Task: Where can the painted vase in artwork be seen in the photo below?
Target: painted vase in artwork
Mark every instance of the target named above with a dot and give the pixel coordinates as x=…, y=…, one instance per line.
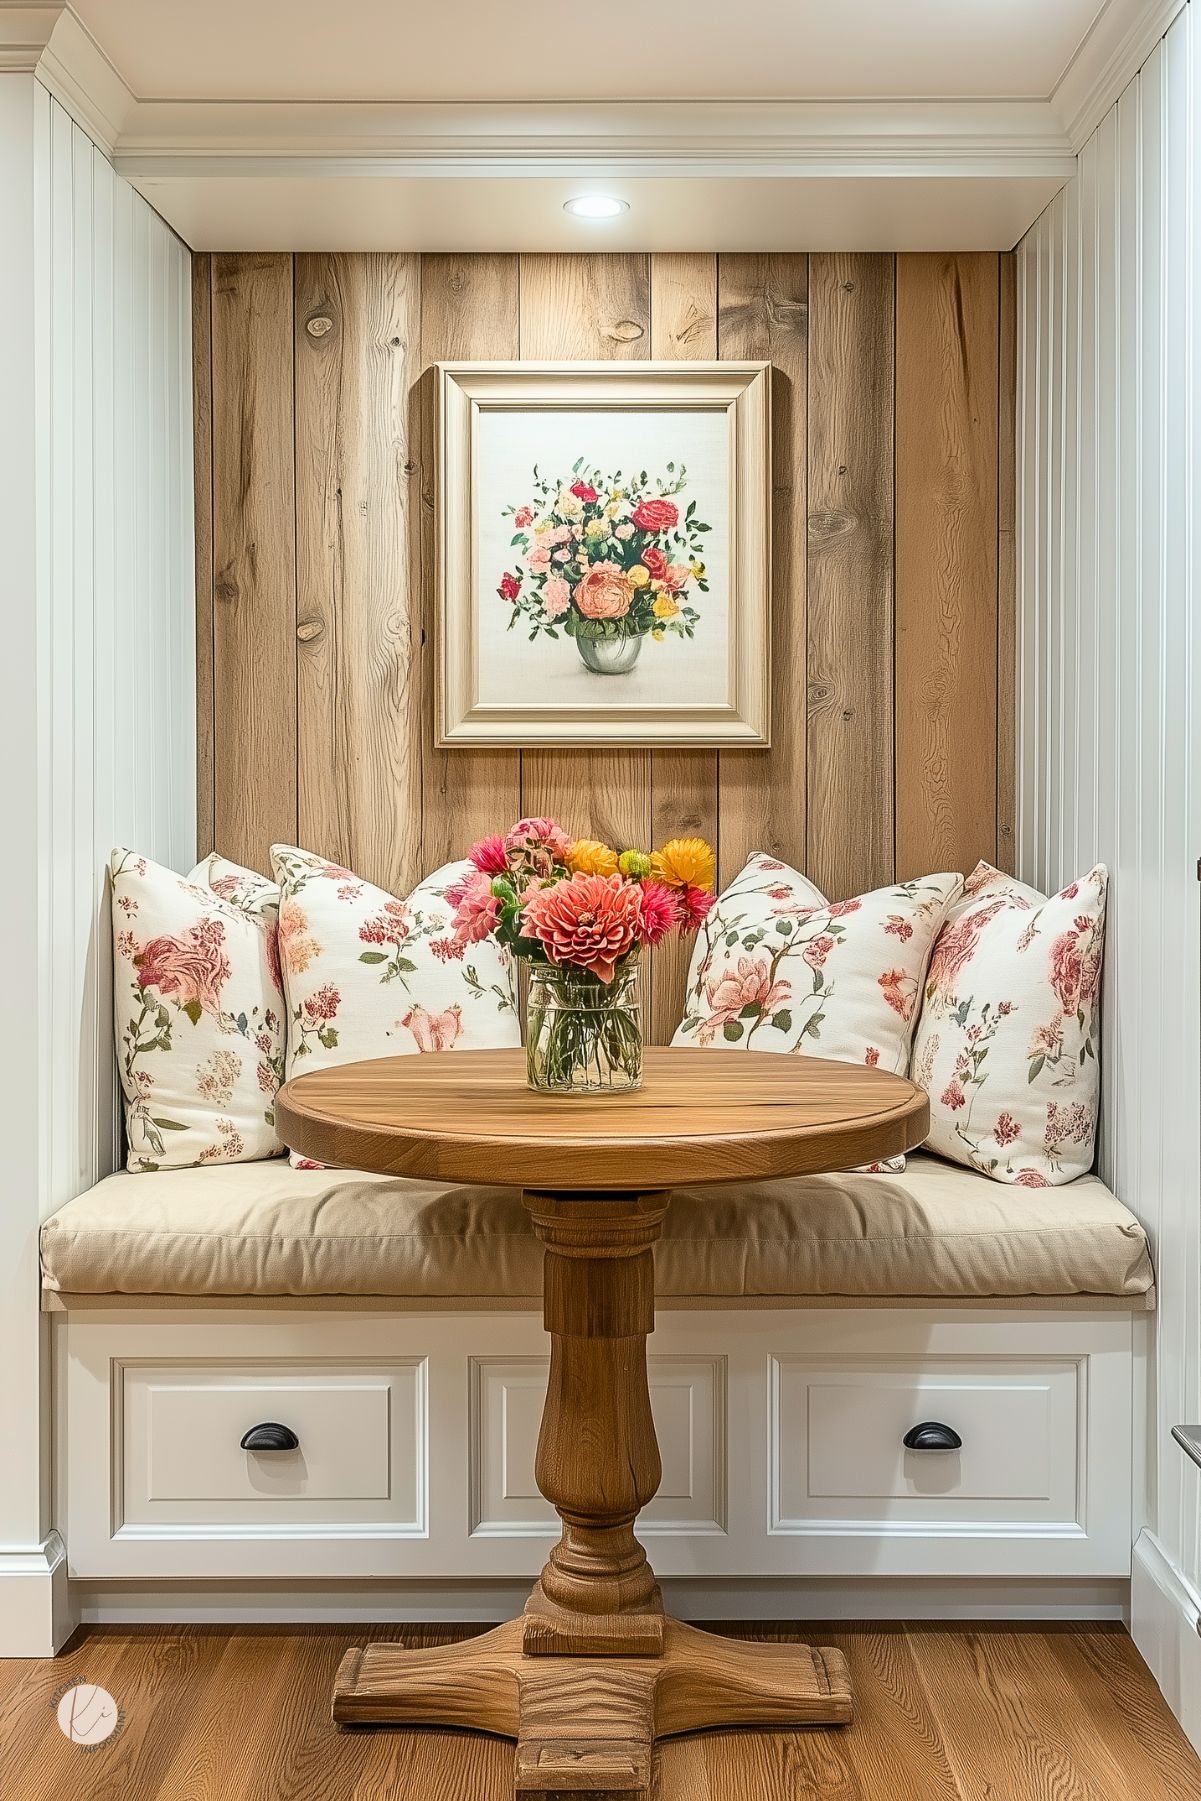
x=608, y=561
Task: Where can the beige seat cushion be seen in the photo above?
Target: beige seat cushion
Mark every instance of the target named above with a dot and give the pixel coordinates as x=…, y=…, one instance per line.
x=264, y=1229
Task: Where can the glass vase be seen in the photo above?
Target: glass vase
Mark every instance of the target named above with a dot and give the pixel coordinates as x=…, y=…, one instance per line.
x=583, y=1036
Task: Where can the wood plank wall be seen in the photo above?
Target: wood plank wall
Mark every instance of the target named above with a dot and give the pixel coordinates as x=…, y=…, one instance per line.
x=893, y=611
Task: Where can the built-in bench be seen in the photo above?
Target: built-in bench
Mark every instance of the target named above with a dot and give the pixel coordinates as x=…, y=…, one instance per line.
x=394, y=1328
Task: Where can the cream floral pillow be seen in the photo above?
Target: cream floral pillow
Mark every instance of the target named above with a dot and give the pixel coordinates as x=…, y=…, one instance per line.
x=243, y=888
x=776, y=967
x=1006, y=1046
x=199, y=1018
x=368, y=975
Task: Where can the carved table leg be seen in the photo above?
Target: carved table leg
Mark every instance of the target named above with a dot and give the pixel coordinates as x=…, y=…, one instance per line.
x=593, y=1673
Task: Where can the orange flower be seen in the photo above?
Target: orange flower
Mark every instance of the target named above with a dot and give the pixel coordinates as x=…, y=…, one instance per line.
x=604, y=593
x=588, y=856
x=685, y=863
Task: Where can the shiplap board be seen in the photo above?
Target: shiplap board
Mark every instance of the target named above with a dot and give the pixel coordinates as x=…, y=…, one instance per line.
x=96, y=466
x=1109, y=445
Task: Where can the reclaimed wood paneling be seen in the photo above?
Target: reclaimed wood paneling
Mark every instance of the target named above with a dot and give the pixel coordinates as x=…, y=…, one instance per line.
x=202, y=476
x=850, y=573
x=468, y=310
x=683, y=782
x=358, y=618
x=763, y=311
x=254, y=557
x=946, y=579
x=324, y=559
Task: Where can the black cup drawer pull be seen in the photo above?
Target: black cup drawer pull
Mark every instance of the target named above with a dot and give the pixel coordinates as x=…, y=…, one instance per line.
x=270, y=1436
x=931, y=1435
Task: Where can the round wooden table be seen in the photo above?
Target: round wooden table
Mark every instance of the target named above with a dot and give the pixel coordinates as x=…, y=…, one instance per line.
x=593, y=1672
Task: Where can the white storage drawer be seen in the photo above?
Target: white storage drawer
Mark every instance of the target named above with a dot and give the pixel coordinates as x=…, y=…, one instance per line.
x=841, y=1425
x=358, y=1457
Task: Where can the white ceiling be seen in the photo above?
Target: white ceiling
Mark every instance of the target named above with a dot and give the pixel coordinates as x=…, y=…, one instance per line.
x=464, y=124
x=661, y=50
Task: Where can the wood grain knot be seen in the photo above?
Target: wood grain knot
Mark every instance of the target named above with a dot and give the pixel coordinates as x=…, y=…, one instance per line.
x=225, y=589
x=625, y=331
x=831, y=524
x=308, y=629
x=319, y=325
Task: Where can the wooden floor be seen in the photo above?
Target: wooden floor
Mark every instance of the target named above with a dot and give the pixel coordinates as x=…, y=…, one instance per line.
x=944, y=1714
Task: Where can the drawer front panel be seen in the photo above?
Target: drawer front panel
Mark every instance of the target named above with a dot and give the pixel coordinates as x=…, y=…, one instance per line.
x=360, y=1456
x=840, y=1427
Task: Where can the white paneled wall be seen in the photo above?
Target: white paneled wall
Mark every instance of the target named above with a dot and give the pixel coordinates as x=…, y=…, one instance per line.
x=1109, y=427
x=97, y=725
x=115, y=573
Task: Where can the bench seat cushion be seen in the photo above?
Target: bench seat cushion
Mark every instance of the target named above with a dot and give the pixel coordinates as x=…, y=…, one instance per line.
x=265, y=1229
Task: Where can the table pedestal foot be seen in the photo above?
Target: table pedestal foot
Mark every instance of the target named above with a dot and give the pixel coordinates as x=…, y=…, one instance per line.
x=587, y=1725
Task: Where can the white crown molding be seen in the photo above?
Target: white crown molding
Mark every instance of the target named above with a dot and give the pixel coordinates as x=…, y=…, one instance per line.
x=80, y=76
x=1110, y=57
x=702, y=138
x=25, y=31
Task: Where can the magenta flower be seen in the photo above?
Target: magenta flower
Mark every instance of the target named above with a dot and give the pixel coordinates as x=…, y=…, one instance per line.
x=660, y=912
x=489, y=855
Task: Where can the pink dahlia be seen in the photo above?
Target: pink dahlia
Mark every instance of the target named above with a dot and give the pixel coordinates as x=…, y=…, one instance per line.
x=694, y=905
x=477, y=909
x=489, y=855
x=536, y=845
x=660, y=912
x=589, y=920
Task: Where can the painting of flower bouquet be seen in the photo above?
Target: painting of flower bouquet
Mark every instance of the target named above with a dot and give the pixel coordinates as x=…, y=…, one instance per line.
x=604, y=553
x=608, y=561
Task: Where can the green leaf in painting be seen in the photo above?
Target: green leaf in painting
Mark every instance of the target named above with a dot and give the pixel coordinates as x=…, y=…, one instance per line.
x=1035, y=1068
x=193, y=1009
x=372, y=957
x=732, y=1031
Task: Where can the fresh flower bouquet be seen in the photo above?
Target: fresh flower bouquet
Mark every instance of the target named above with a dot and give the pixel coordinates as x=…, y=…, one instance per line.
x=607, y=560
x=579, y=912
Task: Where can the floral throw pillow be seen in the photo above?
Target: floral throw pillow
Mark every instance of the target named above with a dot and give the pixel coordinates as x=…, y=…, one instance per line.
x=367, y=975
x=1006, y=1046
x=199, y=1019
x=243, y=888
x=776, y=967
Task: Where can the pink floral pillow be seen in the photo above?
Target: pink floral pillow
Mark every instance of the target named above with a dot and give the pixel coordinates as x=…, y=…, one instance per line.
x=776, y=967
x=199, y=1018
x=1006, y=1046
x=367, y=975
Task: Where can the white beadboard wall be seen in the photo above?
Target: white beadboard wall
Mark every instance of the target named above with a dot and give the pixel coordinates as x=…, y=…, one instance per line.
x=117, y=678
x=97, y=721
x=1109, y=741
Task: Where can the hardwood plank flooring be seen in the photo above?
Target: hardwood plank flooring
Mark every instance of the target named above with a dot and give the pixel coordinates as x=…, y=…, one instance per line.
x=945, y=1713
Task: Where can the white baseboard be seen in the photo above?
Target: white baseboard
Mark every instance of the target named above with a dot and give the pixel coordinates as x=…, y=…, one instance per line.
x=232, y=1603
x=36, y=1603
x=1165, y=1624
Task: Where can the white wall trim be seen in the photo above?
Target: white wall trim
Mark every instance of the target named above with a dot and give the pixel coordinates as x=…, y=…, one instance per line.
x=82, y=80
x=1110, y=56
x=37, y=1611
x=1165, y=1624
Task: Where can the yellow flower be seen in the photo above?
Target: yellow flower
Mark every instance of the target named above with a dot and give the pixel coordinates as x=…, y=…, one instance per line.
x=665, y=607
x=639, y=575
x=596, y=528
x=588, y=856
x=685, y=863
x=634, y=863
x=698, y=570
x=658, y=634
x=613, y=508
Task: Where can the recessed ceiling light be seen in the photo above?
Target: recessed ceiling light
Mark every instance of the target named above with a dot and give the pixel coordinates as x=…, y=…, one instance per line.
x=596, y=206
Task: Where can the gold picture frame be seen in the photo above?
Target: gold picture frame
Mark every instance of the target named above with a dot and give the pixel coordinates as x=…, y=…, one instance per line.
x=615, y=609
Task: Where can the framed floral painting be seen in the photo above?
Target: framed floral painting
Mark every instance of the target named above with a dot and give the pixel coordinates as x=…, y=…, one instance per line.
x=604, y=553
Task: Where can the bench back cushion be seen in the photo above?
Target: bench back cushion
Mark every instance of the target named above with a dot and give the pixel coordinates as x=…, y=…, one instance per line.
x=776, y=967
x=368, y=975
x=198, y=1014
x=1006, y=1046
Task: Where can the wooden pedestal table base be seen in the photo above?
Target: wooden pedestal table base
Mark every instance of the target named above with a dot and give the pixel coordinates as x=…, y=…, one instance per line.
x=593, y=1672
